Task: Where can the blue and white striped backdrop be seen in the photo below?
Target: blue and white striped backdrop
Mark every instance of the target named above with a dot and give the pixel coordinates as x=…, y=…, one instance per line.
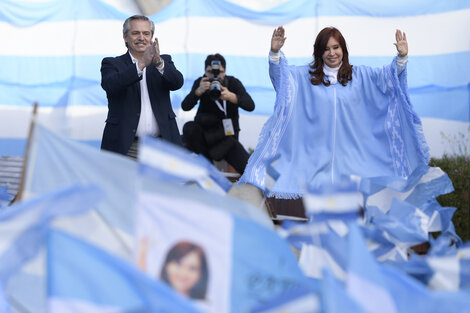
x=51, y=53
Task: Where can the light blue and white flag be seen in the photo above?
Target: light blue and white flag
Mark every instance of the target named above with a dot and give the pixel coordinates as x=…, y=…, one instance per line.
x=321, y=241
x=85, y=278
x=335, y=298
x=441, y=246
x=404, y=223
x=411, y=295
x=239, y=263
x=414, y=202
x=4, y=305
x=65, y=79
x=364, y=282
x=23, y=228
x=424, y=184
x=450, y=272
x=441, y=220
x=382, y=246
x=374, y=287
x=55, y=161
x=167, y=162
x=339, y=201
x=321, y=245
x=303, y=300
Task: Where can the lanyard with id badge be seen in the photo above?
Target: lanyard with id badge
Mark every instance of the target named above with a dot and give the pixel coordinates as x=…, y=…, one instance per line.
x=227, y=122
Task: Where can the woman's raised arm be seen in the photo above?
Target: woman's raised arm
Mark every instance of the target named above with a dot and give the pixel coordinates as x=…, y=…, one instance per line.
x=401, y=44
x=278, y=39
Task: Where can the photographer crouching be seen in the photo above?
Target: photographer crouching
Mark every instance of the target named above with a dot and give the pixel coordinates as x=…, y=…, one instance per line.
x=214, y=131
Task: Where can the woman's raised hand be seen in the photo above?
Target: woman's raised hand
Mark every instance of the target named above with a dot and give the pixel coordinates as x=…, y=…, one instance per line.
x=278, y=39
x=401, y=44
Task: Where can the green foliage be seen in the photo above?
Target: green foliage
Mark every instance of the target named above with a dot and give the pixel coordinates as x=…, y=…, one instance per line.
x=458, y=169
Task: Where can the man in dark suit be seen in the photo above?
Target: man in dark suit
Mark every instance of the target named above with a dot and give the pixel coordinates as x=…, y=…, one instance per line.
x=137, y=86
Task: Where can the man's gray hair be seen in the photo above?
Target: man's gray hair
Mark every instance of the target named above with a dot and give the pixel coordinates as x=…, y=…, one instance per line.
x=127, y=23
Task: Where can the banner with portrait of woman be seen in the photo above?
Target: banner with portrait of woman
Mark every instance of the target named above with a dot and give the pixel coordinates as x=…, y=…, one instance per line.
x=188, y=246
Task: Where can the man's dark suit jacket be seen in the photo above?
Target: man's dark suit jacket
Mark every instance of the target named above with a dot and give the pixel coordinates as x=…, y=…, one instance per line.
x=121, y=82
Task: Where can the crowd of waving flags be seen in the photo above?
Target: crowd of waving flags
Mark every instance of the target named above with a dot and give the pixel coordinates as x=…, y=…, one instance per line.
x=94, y=232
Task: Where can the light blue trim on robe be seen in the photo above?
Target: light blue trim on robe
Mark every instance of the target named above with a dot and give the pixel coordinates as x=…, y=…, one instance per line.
x=367, y=128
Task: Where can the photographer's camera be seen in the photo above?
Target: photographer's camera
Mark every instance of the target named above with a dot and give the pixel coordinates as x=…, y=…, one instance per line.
x=216, y=83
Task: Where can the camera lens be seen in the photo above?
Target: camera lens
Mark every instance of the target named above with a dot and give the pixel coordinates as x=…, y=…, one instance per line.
x=215, y=90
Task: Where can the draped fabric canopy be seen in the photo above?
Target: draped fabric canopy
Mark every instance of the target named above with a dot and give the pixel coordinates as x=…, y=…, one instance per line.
x=51, y=53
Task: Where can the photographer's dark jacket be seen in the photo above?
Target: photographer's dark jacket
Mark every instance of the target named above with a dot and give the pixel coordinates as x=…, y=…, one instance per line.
x=208, y=108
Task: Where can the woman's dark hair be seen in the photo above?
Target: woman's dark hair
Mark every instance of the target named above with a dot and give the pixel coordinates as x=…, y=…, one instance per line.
x=212, y=57
x=179, y=251
x=316, y=72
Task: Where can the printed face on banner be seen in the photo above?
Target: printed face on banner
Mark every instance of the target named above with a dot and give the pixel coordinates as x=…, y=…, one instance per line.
x=185, y=269
x=188, y=246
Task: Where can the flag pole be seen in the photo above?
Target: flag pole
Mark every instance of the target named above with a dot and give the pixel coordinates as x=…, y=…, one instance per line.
x=19, y=195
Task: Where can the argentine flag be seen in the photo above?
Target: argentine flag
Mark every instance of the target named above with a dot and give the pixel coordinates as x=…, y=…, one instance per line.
x=64, y=78
x=23, y=231
x=167, y=162
x=84, y=278
x=237, y=264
